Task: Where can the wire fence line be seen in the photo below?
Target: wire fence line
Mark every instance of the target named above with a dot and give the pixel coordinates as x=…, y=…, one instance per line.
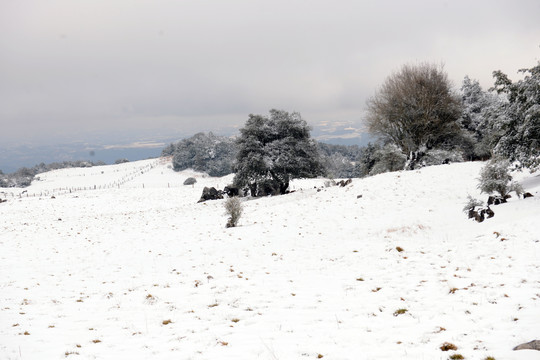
x=126, y=178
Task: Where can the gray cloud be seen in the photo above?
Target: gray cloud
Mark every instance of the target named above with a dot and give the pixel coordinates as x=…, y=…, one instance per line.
x=70, y=69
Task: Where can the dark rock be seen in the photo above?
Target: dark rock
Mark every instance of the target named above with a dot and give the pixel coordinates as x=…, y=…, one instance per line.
x=190, y=181
x=496, y=200
x=532, y=345
x=344, y=183
x=479, y=214
x=210, y=194
x=359, y=196
x=231, y=191
x=527, y=195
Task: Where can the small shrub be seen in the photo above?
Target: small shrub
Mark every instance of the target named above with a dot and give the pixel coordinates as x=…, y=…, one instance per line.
x=456, y=357
x=495, y=177
x=472, y=203
x=190, y=181
x=233, y=208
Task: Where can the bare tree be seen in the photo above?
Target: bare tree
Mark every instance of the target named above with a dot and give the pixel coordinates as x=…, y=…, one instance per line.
x=415, y=109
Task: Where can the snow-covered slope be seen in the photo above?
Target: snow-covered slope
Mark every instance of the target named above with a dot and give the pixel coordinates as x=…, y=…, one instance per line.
x=133, y=267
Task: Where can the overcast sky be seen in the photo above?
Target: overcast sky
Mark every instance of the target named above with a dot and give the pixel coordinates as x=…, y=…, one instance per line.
x=77, y=69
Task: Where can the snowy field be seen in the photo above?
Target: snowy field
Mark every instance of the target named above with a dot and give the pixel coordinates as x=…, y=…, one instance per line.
x=121, y=262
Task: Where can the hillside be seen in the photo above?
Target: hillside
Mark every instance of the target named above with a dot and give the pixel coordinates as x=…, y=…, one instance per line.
x=121, y=261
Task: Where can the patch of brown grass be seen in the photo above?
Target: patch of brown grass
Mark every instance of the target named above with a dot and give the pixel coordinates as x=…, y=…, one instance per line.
x=448, y=346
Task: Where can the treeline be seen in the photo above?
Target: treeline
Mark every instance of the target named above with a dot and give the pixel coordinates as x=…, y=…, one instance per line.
x=417, y=112
x=418, y=119
x=216, y=155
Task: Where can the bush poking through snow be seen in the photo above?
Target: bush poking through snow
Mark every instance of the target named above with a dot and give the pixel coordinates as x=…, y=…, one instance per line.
x=495, y=177
x=471, y=203
x=233, y=208
x=475, y=210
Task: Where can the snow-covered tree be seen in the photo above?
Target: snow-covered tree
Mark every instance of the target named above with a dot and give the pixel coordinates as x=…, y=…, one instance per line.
x=415, y=109
x=480, y=111
x=339, y=160
x=367, y=160
x=388, y=158
x=520, y=123
x=495, y=178
x=275, y=148
x=203, y=152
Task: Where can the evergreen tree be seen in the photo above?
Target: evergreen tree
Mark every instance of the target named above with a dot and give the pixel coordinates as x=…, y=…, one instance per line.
x=520, y=120
x=275, y=149
x=480, y=110
x=366, y=160
x=203, y=152
x=388, y=158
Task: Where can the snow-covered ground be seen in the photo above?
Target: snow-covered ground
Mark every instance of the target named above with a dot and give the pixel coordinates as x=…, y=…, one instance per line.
x=134, y=268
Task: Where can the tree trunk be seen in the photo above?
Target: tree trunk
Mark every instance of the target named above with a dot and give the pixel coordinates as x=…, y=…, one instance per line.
x=283, y=186
x=253, y=189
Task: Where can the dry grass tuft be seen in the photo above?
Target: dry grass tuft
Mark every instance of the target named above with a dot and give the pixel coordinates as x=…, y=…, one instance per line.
x=400, y=312
x=448, y=346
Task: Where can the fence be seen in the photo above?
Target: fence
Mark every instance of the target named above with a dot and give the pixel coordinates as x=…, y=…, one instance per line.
x=68, y=190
